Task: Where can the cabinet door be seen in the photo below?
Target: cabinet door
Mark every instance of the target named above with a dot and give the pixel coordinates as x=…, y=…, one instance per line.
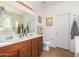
x=25, y=51
x=13, y=53
x=35, y=47
x=40, y=45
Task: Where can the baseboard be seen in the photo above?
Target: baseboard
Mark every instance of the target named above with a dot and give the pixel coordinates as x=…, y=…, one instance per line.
x=53, y=46
x=63, y=48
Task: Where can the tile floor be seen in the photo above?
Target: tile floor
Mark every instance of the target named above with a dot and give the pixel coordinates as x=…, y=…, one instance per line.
x=57, y=52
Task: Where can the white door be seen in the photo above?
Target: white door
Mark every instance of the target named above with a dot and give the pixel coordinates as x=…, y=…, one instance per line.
x=62, y=31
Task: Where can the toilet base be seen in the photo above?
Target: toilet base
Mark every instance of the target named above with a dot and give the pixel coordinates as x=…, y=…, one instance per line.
x=46, y=47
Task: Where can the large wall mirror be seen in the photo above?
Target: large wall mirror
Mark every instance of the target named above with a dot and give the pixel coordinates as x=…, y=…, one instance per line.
x=16, y=21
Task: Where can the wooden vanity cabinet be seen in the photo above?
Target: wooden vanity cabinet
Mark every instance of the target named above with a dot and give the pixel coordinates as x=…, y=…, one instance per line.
x=21, y=49
x=13, y=53
x=35, y=47
x=9, y=51
x=25, y=51
x=28, y=48
x=40, y=45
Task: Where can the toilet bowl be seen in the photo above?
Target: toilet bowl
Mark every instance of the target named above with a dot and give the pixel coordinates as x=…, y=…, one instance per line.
x=46, y=45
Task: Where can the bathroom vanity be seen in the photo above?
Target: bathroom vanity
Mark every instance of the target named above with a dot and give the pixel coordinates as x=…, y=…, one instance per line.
x=31, y=46
x=18, y=20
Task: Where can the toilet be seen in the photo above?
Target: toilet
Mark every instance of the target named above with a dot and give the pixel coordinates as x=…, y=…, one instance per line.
x=46, y=45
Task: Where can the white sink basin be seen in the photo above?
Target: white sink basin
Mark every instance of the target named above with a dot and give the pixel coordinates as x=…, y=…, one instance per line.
x=14, y=38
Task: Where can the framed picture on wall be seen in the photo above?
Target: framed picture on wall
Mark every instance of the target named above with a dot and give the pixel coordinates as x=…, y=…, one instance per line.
x=39, y=19
x=49, y=21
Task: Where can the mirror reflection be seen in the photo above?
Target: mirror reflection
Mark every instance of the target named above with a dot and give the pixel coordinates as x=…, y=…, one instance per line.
x=18, y=23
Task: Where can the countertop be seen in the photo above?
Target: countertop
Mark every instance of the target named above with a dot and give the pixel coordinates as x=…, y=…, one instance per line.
x=19, y=40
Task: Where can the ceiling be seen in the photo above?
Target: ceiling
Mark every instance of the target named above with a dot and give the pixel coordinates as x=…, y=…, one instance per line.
x=45, y=3
x=49, y=3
